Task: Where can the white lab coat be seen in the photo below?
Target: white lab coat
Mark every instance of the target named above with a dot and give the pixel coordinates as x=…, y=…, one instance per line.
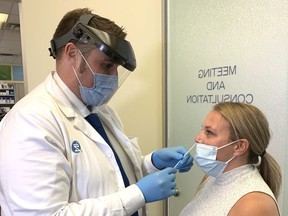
x=52, y=162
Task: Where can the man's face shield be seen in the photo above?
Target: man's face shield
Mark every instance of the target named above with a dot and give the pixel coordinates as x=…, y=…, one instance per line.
x=106, y=65
x=108, y=72
x=117, y=49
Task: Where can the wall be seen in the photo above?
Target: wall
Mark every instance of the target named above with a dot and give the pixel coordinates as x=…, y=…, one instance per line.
x=139, y=100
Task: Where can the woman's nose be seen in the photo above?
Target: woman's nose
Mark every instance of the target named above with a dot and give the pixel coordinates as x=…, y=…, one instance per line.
x=198, y=138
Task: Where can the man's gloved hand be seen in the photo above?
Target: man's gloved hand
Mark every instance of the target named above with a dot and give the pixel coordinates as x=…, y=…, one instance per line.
x=158, y=185
x=169, y=157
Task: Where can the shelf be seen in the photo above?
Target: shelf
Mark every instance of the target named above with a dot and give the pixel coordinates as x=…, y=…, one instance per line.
x=7, y=96
x=7, y=105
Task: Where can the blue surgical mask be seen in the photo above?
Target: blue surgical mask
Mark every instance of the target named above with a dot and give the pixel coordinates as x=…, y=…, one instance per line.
x=104, y=88
x=205, y=158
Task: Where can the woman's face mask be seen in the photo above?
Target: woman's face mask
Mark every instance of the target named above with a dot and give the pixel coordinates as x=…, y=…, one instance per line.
x=206, y=156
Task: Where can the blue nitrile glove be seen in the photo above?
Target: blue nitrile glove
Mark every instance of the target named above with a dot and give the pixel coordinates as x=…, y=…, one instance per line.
x=169, y=157
x=158, y=185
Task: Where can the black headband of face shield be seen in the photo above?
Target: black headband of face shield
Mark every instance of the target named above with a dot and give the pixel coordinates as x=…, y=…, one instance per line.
x=116, y=48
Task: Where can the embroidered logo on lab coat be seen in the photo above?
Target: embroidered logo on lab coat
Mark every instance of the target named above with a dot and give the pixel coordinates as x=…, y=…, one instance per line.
x=76, y=148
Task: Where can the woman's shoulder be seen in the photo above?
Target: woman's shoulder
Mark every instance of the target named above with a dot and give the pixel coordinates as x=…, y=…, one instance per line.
x=255, y=203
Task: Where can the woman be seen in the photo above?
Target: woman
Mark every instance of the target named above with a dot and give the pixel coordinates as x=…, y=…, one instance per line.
x=241, y=177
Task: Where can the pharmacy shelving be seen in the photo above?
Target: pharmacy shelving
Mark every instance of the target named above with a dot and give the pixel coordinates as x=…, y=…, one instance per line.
x=7, y=96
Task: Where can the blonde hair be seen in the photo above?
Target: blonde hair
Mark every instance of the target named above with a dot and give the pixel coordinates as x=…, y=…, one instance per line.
x=248, y=122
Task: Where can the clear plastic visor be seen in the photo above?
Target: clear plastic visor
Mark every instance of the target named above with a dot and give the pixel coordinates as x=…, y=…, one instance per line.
x=110, y=67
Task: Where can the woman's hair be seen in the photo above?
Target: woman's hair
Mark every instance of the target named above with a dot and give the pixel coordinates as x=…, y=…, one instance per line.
x=98, y=22
x=248, y=122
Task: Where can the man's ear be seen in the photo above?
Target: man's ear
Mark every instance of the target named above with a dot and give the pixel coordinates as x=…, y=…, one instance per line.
x=70, y=51
x=241, y=147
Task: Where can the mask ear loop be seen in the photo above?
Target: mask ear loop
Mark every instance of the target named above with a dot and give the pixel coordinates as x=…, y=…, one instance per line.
x=74, y=70
x=85, y=61
x=227, y=144
x=230, y=159
x=76, y=75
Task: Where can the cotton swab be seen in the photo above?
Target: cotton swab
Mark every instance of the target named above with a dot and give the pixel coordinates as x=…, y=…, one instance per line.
x=184, y=156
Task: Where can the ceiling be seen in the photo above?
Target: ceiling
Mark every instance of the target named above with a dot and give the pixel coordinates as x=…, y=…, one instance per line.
x=10, y=42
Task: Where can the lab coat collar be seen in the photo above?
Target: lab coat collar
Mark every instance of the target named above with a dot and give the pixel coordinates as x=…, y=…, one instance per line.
x=69, y=95
x=71, y=110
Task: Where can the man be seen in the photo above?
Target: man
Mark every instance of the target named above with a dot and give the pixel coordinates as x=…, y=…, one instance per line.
x=62, y=148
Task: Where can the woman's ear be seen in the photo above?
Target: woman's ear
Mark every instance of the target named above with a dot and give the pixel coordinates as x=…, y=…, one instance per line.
x=241, y=147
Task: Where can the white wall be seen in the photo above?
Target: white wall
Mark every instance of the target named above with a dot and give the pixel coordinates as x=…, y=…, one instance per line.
x=139, y=100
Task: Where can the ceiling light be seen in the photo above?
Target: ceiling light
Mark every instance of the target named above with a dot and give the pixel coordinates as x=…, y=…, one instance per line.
x=3, y=19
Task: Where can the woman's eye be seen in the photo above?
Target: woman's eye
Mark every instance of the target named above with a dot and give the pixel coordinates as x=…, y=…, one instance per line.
x=208, y=133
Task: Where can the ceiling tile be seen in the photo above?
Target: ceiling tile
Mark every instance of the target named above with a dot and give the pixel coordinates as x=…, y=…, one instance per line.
x=5, y=7
x=10, y=40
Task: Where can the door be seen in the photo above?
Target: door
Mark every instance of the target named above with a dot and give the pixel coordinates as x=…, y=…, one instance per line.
x=225, y=51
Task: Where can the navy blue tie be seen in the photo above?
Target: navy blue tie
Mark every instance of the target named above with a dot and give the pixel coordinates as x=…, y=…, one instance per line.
x=94, y=120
